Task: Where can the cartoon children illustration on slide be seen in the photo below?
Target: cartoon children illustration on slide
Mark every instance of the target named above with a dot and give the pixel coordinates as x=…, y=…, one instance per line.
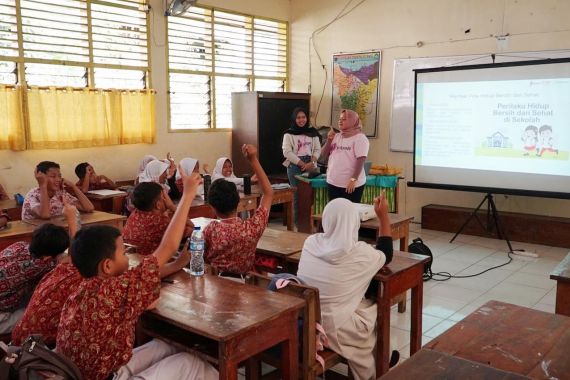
x=546, y=141
x=530, y=139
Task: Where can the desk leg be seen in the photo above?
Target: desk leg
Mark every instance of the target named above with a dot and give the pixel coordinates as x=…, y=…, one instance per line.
x=416, y=330
x=289, y=351
x=227, y=368
x=405, y=237
x=118, y=205
x=289, y=214
x=562, y=298
x=383, y=330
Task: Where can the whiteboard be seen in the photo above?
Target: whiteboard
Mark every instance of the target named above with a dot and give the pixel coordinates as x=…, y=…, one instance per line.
x=402, y=114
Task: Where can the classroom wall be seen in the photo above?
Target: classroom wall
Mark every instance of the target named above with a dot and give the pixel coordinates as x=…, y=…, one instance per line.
x=121, y=162
x=395, y=26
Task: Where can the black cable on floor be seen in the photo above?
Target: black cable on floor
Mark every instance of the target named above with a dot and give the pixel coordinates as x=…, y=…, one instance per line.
x=447, y=276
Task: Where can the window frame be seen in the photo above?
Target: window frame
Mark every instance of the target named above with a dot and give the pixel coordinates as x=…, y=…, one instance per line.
x=90, y=66
x=212, y=74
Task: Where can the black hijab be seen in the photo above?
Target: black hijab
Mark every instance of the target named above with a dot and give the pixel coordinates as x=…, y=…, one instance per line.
x=307, y=130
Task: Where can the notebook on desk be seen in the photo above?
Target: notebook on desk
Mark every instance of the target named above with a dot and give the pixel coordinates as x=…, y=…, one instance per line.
x=106, y=192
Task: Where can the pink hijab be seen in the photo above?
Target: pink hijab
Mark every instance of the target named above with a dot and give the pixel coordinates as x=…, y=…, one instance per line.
x=352, y=125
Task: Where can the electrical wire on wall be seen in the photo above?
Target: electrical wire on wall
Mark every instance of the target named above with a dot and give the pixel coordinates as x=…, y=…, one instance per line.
x=343, y=12
x=419, y=44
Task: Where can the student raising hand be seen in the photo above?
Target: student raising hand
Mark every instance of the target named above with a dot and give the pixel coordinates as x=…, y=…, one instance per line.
x=249, y=151
x=70, y=212
x=41, y=178
x=190, y=182
x=381, y=210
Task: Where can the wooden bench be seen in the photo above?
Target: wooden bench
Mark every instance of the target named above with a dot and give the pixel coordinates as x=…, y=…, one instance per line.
x=561, y=274
x=309, y=367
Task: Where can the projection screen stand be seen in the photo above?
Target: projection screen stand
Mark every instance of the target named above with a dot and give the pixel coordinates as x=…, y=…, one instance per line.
x=491, y=214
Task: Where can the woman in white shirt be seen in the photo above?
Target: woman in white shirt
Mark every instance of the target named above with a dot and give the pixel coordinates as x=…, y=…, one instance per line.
x=301, y=148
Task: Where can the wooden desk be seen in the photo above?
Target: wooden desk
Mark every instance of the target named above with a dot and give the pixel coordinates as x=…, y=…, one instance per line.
x=95, y=217
x=108, y=203
x=434, y=365
x=280, y=244
x=403, y=273
x=241, y=320
x=400, y=225
x=200, y=208
x=561, y=274
x=22, y=230
x=284, y=197
x=512, y=338
x=12, y=209
x=16, y=231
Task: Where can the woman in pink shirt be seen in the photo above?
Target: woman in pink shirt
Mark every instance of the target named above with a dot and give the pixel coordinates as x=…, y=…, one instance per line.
x=347, y=152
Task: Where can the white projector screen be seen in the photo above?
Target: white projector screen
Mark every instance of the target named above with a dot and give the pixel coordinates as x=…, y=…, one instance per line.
x=495, y=128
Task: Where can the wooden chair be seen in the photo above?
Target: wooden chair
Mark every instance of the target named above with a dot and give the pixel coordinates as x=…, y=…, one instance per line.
x=309, y=367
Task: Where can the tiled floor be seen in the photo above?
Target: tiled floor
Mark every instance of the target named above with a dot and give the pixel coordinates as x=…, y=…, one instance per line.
x=525, y=281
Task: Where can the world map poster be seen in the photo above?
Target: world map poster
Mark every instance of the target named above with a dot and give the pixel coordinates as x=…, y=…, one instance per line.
x=355, y=86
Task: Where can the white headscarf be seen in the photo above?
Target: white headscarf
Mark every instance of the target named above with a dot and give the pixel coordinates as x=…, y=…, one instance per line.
x=148, y=158
x=187, y=164
x=217, y=174
x=338, y=264
x=153, y=171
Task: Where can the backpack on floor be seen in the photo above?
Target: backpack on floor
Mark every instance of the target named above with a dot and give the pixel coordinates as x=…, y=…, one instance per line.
x=419, y=248
x=37, y=362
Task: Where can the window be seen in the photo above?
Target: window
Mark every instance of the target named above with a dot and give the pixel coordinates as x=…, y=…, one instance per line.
x=76, y=43
x=212, y=53
x=72, y=54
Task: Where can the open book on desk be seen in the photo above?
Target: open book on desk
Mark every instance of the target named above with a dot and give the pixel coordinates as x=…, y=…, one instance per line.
x=106, y=192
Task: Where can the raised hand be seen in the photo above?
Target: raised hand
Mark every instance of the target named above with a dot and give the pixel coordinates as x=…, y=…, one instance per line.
x=67, y=183
x=249, y=151
x=41, y=178
x=190, y=182
x=381, y=205
x=331, y=134
x=69, y=209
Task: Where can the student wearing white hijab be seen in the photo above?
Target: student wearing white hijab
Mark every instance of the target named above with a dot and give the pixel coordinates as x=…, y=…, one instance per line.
x=225, y=169
x=146, y=159
x=342, y=267
x=156, y=171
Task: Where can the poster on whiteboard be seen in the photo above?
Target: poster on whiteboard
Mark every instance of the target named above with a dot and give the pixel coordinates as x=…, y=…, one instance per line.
x=355, y=84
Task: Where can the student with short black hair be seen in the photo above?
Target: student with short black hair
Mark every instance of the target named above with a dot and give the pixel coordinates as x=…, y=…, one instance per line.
x=47, y=200
x=147, y=223
x=22, y=266
x=89, y=180
x=43, y=312
x=97, y=323
x=230, y=241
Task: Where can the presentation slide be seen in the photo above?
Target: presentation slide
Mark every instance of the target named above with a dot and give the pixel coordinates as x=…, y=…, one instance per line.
x=502, y=127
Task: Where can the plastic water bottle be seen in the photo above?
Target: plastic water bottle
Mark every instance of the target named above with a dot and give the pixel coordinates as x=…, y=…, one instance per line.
x=197, y=252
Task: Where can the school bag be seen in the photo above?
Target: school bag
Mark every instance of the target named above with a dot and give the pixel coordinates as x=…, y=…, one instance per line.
x=37, y=362
x=419, y=248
